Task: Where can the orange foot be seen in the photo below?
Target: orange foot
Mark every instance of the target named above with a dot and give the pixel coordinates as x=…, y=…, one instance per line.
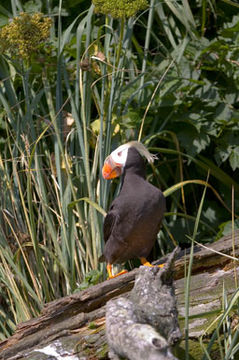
x=146, y=263
x=109, y=270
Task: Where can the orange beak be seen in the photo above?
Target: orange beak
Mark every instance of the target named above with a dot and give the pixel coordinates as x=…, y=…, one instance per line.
x=110, y=169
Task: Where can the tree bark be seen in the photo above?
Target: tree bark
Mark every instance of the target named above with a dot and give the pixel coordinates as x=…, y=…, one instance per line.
x=145, y=324
x=77, y=322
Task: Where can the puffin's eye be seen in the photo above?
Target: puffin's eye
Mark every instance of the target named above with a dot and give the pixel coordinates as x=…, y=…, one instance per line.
x=119, y=153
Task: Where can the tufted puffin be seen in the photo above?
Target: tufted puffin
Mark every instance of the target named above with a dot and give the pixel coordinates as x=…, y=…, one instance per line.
x=134, y=218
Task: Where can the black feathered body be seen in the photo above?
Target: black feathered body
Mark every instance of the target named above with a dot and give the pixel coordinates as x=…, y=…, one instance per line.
x=135, y=216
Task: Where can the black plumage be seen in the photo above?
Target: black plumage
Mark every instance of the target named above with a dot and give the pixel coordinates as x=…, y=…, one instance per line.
x=135, y=216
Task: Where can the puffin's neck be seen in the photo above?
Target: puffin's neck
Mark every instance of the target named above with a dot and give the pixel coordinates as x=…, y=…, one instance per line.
x=135, y=171
x=134, y=168
x=130, y=175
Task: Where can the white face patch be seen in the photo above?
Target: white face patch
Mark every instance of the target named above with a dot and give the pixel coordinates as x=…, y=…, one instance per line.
x=119, y=155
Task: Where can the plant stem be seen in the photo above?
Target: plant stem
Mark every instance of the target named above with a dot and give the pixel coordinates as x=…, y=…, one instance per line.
x=119, y=48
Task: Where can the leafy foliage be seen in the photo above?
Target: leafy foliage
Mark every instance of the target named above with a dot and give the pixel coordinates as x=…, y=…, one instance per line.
x=23, y=36
x=92, y=278
x=121, y=8
x=168, y=77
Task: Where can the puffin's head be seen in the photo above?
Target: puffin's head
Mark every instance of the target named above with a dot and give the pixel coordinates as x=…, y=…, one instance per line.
x=114, y=163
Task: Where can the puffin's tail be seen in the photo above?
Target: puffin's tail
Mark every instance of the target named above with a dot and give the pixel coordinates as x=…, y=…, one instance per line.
x=101, y=258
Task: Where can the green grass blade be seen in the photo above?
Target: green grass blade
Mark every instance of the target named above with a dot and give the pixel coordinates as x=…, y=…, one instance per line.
x=188, y=279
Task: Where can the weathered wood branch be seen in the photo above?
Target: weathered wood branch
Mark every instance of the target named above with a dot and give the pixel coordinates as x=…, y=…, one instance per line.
x=69, y=317
x=145, y=324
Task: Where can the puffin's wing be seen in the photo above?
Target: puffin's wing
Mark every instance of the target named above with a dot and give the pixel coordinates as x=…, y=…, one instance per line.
x=108, y=226
x=109, y=223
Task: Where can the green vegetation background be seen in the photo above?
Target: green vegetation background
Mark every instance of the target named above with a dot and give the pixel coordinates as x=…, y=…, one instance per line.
x=82, y=84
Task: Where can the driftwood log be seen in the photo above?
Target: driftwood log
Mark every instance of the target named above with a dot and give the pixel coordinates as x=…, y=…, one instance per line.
x=73, y=327
x=145, y=324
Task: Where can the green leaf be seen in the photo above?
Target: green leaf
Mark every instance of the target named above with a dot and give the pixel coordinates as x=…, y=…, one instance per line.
x=225, y=228
x=33, y=6
x=192, y=140
x=91, y=278
x=3, y=20
x=89, y=201
x=234, y=158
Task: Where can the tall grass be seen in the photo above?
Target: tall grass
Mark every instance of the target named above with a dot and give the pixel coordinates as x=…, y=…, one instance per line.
x=224, y=337
x=51, y=231
x=62, y=117
x=189, y=272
